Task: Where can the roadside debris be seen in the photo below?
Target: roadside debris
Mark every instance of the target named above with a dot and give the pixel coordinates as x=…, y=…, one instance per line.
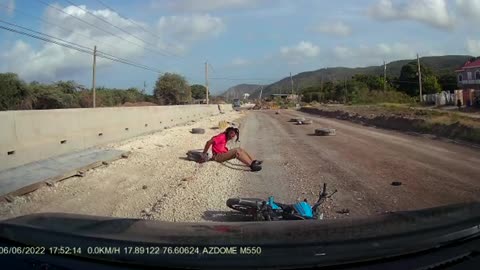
x=146, y=212
x=344, y=211
x=198, y=130
x=396, y=183
x=305, y=122
x=187, y=178
x=325, y=132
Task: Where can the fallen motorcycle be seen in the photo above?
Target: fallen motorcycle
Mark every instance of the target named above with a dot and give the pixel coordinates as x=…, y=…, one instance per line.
x=269, y=210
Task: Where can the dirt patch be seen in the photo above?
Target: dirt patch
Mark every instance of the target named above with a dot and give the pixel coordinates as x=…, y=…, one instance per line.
x=415, y=121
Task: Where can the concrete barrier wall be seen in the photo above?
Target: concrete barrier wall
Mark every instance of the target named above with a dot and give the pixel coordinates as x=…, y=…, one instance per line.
x=28, y=136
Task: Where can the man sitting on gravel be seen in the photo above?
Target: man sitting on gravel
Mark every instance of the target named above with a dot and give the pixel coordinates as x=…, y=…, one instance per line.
x=221, y=152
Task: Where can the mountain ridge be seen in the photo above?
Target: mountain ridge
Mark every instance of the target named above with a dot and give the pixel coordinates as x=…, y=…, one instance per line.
x=439, y=64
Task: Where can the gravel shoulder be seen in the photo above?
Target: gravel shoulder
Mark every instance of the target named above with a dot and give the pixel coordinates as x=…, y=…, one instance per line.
x=155, y=182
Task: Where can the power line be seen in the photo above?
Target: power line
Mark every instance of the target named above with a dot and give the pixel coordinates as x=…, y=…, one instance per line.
x=77, y=49
x=44, y=39
x=111, y=24
x=71, y=43
x=57, y=26
x=47, y=35
x=69, y=30
x=135, y=23
x=103, y=30
x=403, y=81
x=243, y=79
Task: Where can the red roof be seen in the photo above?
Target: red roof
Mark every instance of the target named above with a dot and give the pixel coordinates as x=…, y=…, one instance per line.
x=470, y=64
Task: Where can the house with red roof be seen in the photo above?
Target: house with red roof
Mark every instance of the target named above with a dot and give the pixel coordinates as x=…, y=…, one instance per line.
x=468, y=76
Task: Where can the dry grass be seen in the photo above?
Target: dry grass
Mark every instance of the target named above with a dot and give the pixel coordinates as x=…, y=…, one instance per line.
x=444, y=123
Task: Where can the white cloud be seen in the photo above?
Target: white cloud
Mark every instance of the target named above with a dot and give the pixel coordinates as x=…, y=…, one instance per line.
x=469, y=8
x=343, y=52
x=240, y=62
x=432, y=12
x=8, y=7
x=47, y=63
x=301, y=51
x=374, y=54
x=205, y=5
x=333, y=28
x=50, y=61
x=191, y=28
x=473, y=47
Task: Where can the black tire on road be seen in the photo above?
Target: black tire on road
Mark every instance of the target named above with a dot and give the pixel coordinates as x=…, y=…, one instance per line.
x=325, y=132
x=198, y=130
x=244, y=205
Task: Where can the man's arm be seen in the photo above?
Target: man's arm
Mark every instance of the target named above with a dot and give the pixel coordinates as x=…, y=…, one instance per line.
x=207, y=146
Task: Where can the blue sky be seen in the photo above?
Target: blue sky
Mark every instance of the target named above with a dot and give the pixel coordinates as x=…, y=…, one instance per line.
x=245, y=41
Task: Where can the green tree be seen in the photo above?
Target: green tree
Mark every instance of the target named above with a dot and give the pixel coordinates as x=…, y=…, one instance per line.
x=430, y=85
x=133, y=95
x=307, y=97
x=68, y=87
x=171, y=89
x=14, y=93
x=448, y=81
x=371, y=81
x=198, y=91
x=408, y=80
x=46, y=96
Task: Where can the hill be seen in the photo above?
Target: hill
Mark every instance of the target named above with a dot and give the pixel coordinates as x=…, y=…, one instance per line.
x=439, y=64
x=237, y=91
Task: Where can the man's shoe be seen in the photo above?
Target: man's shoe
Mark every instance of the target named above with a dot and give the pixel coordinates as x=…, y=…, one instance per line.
x=255, y=167
x=257, y=162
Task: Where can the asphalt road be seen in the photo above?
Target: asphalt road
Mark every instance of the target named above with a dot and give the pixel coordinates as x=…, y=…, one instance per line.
x=360, y=162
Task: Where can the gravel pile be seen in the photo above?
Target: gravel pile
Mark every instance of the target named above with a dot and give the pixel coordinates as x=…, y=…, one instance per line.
x=155, y=182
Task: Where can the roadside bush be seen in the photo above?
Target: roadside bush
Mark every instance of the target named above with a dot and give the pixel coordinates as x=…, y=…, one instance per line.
x=364, y=96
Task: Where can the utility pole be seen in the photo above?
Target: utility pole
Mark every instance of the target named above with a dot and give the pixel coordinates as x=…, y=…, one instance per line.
x=206, y=80
x=345, y=89
x=93, y=77
x=291, y=81
x=384, y=76
x=261, y=92
x=419, y=78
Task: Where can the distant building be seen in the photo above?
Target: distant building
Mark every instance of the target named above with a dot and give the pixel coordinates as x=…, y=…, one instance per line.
x=468, y=76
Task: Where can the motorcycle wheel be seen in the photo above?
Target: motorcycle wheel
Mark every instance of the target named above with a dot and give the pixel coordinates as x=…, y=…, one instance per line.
x=245, y=205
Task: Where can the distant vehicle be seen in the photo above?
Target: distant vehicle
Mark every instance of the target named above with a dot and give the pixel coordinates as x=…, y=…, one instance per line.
x=236, y=103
